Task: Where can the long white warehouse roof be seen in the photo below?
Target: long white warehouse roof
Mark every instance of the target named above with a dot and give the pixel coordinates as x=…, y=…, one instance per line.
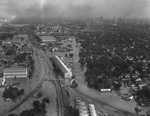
x=15, y=72
x=61, y=65
x=47, y=38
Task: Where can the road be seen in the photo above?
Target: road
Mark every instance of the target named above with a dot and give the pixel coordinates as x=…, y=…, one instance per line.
x=102, y=102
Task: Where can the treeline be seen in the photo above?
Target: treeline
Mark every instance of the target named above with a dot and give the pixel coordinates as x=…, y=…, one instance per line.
x=20, y=58
x=30, y=66
x=39, y=109
x=113, y=53
x=7, y=29
x=34, y=39
x=12, y=92
x=5, y=35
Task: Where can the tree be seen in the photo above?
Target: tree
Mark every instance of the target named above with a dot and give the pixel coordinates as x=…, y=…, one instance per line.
x=12, y=92
x=39, y=95
x=22, y=39
x=25, y=113
x=144, y=92
x=36, y=104
x=20, y=58
x=43, y=105
x=12, y=115
x=117, y=85
x=46, y=100
x=21, y=91
x=137, y=110
x=11, y=52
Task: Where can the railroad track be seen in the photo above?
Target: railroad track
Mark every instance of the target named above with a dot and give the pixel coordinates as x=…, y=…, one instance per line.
x=58, y=90
x=59, y=98
x=23, y=99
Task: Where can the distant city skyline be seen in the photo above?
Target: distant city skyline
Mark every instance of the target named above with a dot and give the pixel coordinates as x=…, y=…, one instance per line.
x=75, y=8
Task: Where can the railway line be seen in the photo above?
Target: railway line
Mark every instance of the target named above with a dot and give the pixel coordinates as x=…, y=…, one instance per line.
x=59, y=98
x=23, y=99
x=58, y=90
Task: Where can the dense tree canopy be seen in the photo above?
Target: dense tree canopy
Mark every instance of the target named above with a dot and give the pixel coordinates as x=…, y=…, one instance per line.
x=20, y=58
x=39, y=109
x=12, y=92
x=144, y=92
x=4, y=36
x=115, y=52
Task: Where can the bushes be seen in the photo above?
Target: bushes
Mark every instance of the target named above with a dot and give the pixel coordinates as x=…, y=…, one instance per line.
x=34, y=39
x=36, y=104
x=39, y=109
x=12, y=92
x=12, y=115
x=31, y=66
x=39, y=95
x=21, y=91
x=20, y=58
x=4, y=36
x=11, y=52
x=144, y=92
x=46, y=100
x=31, y=63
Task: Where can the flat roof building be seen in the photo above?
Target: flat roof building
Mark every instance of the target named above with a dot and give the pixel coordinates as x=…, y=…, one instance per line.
x=15, y=73
x=47, y=38
x=63, y=68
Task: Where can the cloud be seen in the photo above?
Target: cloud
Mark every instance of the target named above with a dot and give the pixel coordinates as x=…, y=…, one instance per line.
x=76, y=8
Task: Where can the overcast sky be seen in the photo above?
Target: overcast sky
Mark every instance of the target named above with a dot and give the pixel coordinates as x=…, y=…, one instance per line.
x=75, y=8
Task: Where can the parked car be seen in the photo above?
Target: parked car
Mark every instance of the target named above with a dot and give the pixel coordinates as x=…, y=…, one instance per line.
x=127, y=96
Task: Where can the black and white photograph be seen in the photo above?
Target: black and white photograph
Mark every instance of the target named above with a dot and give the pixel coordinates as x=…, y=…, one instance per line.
x=74, y=57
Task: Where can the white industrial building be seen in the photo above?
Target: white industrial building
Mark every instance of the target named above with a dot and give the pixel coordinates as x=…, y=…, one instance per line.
x=65, y=72
x=15, y=73
x=63, y=68
x=47, y=39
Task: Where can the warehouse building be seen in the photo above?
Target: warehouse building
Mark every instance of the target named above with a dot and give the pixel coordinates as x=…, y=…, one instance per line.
x=65, y=72
x=50, y=39
x=15, y=73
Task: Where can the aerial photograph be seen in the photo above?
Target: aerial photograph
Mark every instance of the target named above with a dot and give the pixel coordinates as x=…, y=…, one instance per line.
x=74, y=57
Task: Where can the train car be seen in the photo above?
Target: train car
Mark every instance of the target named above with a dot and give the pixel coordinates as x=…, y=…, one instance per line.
x=92, y=110
x=64, y=71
